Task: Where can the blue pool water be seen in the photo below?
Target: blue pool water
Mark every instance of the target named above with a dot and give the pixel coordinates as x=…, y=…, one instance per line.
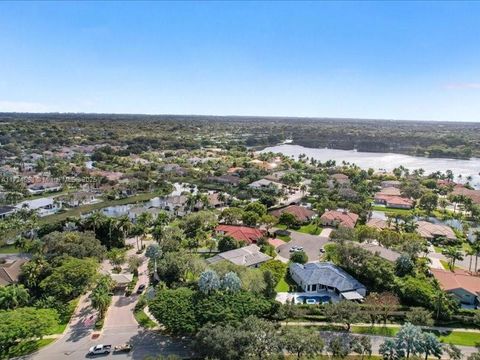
x=318, y=299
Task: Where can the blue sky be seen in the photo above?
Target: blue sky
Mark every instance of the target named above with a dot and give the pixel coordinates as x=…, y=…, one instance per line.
x=391, y=60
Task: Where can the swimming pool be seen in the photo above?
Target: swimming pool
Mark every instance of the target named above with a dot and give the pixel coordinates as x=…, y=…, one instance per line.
x=302, y=299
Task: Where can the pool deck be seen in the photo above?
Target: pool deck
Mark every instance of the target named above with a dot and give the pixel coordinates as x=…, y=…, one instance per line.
x=283, y=297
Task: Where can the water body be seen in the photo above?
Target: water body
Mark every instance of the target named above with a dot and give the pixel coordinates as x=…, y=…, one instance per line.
x=387, y=161
x=120, y=210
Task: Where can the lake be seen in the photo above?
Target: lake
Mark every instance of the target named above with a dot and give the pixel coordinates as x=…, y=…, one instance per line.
x=386, y=161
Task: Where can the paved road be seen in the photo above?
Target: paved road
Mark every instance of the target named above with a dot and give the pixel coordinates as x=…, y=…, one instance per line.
x=311, y=244
x=119, y=327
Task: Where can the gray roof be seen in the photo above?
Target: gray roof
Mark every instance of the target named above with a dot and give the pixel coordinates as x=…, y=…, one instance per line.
x=381, y=251
x=247, y=256
x=327, y=274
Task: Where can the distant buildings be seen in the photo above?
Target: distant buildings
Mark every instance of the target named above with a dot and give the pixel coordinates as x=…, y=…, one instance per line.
x=43, y=206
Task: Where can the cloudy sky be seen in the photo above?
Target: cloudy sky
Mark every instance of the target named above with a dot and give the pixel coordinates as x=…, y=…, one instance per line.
x=405, y=60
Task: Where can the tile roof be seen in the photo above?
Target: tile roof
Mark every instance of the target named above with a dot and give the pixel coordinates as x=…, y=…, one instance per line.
x=457, y=280
x=472, y=194
x=343, y=218
x=393, y=199
x=327, y=274
x=429, y=230
x=378, y=224
x=10, y=271
x=246, y=256
x=241, y=233
x=301, y=213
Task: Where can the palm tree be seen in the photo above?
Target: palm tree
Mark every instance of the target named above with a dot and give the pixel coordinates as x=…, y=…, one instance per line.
x=453, y=253
x=95, y=220
x=100, y=300
x=144, y=221
x=13, y=296
x=125, y=225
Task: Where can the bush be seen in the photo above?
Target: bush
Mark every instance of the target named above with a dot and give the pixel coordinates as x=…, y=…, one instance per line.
x=299, y=257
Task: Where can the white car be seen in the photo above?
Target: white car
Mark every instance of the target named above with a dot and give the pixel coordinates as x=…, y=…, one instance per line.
x=100, y=349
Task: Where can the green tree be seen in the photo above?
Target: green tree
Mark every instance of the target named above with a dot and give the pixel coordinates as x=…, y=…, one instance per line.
x=72, y=243
x=250, y=218
x=13, y=296
x=419, y=316
x=256, y=207
x=174, y=309
x=226, y=243
x=428, y=201
x=452, y=253
x=299, y=257
x=289, y=220
x=301, y=341
x=70, y=279
x=346, y=312
x=23, y=324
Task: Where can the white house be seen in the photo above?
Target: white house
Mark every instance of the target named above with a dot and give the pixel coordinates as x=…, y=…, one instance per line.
x=43, y=206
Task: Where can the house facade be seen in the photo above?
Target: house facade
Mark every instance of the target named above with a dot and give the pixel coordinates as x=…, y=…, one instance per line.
x=327, y=277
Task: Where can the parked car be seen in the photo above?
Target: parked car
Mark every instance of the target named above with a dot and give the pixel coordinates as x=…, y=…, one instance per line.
x=296, y=248
x=100, y=350
x=141, y=288
x=122, y=348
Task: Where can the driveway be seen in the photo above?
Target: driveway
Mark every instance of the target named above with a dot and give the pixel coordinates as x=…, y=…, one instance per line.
x=311, y=244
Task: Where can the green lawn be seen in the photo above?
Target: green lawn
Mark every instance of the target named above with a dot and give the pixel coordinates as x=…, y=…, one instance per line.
x=311, y=229
x=28, y=347
x=285, y=238
x=446, y=266
x=377, y=330
x=143, y=320
x=8, y=249
x=282, y=285
x=464, y=338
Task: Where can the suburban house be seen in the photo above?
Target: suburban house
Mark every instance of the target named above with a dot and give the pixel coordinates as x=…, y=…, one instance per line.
x=10, y=271
x=391, y=183
x=43, y=206
x=241, y=233
x=340, y=179
x=391, y=196
x=301, y=213
x=378, y=250
x=6, y=211
x=176, y=204
x=40, y=188
x=462, y=285
x=474, y=195
x=80, y=198
x=379, y=224
x=325, y=276
x=225, y=179
x=215, y=200
x=235, y=170
x=339, y=218
x=432, y=231
x=391, y=190
x=249, y=256
x=264, y=183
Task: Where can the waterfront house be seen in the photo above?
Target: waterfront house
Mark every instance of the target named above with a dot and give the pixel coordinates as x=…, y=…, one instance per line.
x=432, y=231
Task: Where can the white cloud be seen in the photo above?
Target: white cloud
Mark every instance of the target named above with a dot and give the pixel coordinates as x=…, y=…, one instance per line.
x=23, y=106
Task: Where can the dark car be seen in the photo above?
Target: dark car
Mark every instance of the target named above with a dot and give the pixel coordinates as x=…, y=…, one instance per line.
x=141, y=288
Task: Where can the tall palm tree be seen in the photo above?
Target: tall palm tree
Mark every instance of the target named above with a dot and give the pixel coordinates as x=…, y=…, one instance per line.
x=125, y=225
x=453, y=253
x=144, y=221
x=95, y=220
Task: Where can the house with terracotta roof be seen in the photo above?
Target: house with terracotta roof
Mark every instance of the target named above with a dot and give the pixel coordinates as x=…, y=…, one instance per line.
x=246, y=234
x=301, y=213
x=249, y=256
x=391, y=190
x=474, y=195
x=340, y=179
x=339, y=218
x=462, y=285
x=432, y=231
x=393, y=201
x=10, y=271
x=379, y=224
